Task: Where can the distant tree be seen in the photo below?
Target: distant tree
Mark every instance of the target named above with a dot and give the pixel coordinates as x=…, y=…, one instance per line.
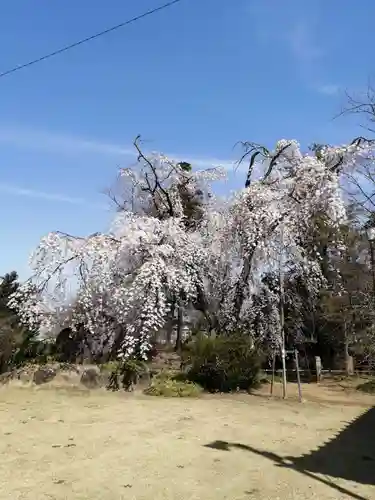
x=18, y=343
x=8, y=285
x=344, y=305
x=9, y=327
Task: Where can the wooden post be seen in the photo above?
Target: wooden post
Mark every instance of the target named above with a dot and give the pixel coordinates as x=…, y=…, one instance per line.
x=178, y=346
x=349, y=365
x=273, y=371
x=318, y=365
x=282, y=318
x=298, y=376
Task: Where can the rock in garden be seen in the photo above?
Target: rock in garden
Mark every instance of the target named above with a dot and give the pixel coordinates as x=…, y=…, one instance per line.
x=144, y=379
x=44, y=375
x=91, y=378
x=6, y=377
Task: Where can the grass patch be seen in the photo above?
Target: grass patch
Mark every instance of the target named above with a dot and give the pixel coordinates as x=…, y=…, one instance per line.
x=169, y=385
x=367, y=387
x=110, y=366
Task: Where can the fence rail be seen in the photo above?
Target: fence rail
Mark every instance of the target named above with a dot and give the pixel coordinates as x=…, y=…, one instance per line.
x=323, y=372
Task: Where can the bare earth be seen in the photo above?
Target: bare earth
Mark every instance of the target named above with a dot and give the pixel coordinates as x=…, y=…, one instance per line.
x=76, y=445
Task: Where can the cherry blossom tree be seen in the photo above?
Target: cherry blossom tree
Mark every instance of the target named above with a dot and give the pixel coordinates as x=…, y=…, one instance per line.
x=124, y=279
x=271, y=217
x=127, y=279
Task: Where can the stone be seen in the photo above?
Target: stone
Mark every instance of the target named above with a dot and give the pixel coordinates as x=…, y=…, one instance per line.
x=25, y=376
x=6, y=377
x=144, y=379
x=91, y=378
x=44, y=375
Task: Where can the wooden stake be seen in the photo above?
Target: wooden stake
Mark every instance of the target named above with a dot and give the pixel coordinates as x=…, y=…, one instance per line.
x=298, y=376
x=273, y=372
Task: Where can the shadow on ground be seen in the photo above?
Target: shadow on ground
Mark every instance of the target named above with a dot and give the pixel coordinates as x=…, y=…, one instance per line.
x=350, y=455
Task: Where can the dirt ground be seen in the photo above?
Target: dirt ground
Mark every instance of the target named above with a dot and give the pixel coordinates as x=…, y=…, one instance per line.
x=73, y=444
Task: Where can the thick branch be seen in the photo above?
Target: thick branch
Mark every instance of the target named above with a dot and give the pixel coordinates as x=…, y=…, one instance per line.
x=141, y=156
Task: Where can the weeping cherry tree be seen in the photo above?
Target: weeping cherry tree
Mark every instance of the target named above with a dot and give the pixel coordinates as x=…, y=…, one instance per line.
x=127, y=279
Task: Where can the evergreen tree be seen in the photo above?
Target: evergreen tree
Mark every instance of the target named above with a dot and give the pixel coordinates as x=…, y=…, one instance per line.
x=17, y=343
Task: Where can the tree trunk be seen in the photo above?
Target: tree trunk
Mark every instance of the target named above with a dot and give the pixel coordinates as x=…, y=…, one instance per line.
x=349, y=368
x=171, y=322
x=242, y=284
x=178, y=346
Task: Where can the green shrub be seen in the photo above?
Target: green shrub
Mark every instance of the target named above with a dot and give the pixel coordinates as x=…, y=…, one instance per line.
x=223, y=364
x=110, y=366
x=368, y=387
x=124, y=374
x=168, y=374
x=170, y=387
x=28, y=348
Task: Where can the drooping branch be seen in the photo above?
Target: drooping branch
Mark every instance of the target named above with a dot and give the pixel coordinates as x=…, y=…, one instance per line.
x=255, y=151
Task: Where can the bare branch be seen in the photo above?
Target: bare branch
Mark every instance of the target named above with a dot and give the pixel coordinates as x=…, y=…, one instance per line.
x=141, y=156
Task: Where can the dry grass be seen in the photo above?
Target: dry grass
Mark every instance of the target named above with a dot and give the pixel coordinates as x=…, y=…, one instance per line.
x=76, y=445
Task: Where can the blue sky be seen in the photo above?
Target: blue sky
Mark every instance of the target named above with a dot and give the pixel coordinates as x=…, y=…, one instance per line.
x=193, y=80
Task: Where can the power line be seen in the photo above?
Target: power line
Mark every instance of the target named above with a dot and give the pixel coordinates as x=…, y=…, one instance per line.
x=89, y=38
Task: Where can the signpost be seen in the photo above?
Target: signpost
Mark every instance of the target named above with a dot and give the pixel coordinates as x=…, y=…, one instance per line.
x=318, y=365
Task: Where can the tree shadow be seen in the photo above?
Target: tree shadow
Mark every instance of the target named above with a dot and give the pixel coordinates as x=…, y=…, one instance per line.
x=350, y=455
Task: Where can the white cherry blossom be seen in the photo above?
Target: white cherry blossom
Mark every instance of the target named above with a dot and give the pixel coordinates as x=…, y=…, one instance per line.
x=124, y=280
